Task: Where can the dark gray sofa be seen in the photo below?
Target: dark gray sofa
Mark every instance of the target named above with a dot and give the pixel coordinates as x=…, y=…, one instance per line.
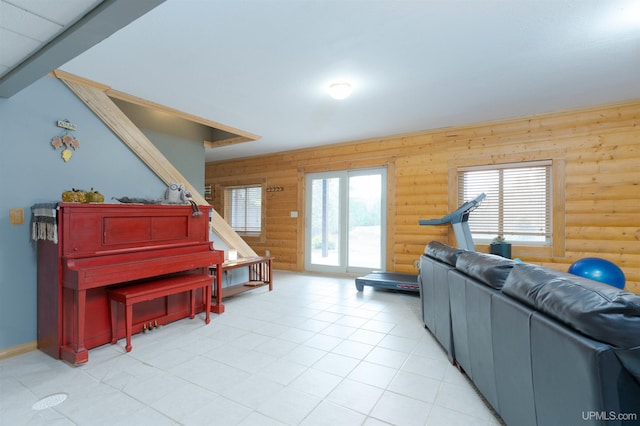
x=543, y=347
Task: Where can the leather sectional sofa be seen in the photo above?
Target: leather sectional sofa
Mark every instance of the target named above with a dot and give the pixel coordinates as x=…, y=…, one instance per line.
x=543, y=347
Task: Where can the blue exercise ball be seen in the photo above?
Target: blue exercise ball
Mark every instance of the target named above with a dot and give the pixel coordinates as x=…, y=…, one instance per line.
x=599, y=270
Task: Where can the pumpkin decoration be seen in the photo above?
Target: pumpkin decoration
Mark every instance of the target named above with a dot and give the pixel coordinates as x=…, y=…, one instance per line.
x=94, y=196
x=74, y=196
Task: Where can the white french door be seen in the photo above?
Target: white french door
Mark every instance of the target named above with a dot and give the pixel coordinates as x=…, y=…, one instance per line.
x=346, y=221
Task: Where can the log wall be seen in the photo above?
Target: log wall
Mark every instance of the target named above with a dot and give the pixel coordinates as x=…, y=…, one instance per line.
x=596, y=154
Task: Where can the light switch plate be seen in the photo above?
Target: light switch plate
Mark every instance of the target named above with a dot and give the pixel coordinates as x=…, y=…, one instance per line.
x=16, y=216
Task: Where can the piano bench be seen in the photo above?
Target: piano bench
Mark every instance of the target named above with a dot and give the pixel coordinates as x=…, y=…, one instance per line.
x=153, y=289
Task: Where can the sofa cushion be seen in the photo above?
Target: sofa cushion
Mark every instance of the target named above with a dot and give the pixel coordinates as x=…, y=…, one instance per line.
x=600, y=311
x=489, y=269
x=443, y=252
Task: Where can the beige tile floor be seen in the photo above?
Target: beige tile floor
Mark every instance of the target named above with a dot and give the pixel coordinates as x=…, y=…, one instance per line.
x=314, y=351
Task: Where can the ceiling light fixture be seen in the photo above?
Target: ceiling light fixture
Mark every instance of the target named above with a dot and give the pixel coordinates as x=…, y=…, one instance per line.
x=340, y=90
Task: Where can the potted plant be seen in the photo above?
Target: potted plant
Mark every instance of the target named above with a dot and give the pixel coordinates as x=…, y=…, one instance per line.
x=500, y=247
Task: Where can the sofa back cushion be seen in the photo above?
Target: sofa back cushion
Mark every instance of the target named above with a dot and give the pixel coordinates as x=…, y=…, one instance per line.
x=489, y=269
x=443, y=252
x=600, y=311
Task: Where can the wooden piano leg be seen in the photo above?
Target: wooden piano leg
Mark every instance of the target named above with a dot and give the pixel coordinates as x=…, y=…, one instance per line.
x=128, y=319
x=75, y=352
x=218, y=306
x=207, y=303
x=114, y=321
x=192, y=304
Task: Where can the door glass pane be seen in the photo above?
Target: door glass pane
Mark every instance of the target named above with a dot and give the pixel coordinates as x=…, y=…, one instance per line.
x=325, y=221
x=365, y=221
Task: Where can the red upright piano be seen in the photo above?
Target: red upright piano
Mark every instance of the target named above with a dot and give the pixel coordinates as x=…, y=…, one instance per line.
x=101, y=246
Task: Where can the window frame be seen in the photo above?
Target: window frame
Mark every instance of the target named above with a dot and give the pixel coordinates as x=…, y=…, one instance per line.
x=499, y=174
x=557, y=190
x=224, y=194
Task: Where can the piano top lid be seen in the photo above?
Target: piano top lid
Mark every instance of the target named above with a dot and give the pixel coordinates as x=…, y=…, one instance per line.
x=88, y=229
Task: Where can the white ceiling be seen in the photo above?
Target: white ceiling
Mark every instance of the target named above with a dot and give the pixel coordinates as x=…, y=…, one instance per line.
x=262, y=66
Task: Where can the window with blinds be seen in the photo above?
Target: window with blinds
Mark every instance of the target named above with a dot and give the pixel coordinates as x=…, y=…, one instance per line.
x=243, y=209
x=518, y=203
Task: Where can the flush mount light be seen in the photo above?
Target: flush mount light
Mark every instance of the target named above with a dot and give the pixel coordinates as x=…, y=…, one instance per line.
x=340, y=90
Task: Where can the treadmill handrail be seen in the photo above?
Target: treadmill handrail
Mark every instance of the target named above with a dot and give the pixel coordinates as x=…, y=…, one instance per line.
x=459, y=215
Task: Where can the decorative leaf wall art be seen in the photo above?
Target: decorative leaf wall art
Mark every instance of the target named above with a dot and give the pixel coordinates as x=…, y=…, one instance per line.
x=67, y=140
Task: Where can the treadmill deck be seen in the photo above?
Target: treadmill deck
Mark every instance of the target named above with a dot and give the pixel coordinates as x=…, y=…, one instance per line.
x=388, y=280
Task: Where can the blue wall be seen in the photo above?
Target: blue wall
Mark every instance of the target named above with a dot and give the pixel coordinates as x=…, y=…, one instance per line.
x=33, y=172
x=177, y=139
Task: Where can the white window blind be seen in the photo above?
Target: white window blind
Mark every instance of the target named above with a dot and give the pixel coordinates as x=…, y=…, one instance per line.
x=243, y=208
x=518, y=203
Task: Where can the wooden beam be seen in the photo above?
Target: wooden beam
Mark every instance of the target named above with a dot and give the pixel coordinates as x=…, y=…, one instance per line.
x=98, y=101
x=97, y=24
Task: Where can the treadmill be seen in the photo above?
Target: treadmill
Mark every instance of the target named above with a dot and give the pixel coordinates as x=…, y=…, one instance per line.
x=459, y=220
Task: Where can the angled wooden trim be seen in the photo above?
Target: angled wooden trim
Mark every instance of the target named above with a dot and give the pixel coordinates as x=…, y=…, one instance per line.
x=104, y=107
x=116, y=94
x=224, y=142
x=66, y=76
x=158, y=107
